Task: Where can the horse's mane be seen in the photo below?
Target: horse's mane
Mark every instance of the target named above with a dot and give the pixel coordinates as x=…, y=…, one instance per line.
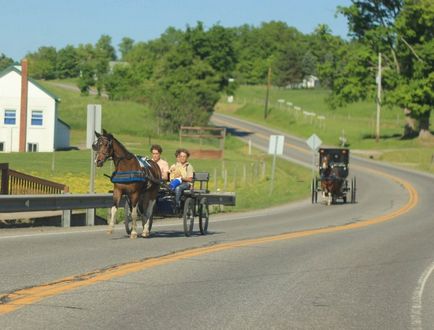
x=128, y=155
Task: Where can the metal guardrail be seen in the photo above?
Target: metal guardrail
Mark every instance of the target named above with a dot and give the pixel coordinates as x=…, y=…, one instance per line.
x=90, y=202
x=53, y=202
x=30, y=203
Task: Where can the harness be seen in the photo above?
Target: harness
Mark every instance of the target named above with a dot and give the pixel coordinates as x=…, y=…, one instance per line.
x=143, y=175
x=128, y=176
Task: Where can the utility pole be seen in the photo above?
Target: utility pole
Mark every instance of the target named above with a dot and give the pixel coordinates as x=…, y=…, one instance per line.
x=377, y=130
x=268, y=93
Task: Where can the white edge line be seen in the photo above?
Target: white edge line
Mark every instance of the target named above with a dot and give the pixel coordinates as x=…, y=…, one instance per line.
x=416, y=307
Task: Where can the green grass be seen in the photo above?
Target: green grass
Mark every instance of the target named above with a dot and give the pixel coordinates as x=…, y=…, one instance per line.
x=132, y=124
x=121, y=117
x=356, y=122
x=247, y=175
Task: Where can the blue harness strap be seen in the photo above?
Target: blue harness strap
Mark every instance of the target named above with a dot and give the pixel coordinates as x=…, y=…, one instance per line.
x=128, y=176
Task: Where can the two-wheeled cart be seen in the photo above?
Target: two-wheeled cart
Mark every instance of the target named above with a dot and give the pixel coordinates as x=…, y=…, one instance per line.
x=195, y=202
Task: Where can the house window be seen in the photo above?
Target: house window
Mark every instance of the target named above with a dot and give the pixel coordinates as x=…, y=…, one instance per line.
x=10, y=117
x=32, y=147
x=37, y=118
x=2, y=146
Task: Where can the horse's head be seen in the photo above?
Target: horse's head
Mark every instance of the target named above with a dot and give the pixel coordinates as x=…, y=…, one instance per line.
x=103, y=146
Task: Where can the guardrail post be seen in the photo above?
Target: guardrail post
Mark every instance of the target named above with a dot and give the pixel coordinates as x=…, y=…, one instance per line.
x=66, y=218
x=90, y=217
x=4, y=188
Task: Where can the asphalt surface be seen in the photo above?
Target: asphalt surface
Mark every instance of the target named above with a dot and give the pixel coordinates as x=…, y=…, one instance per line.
x=298, y=266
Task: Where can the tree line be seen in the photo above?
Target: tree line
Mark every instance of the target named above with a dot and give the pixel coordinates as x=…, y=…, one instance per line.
x=182, y=74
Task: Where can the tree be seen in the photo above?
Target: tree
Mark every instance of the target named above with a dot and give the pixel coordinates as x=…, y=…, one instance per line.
x=215, y=47
x=401, y=30
x=67, y=63
x=125, y=46
x=105, y=48
x=415, y=88
x=5, y=61
x=288, y=67
x=185, y=89
x=104, y=53
x=42, y=64
x=86, y=64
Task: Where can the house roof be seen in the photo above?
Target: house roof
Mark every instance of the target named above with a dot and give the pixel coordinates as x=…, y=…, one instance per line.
x=17, y=70
x=61, y=121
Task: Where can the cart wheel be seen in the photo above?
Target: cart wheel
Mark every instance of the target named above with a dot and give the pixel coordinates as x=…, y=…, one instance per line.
x=127, y=216
x=203, y=216
x=188, y=216
x=353, y=190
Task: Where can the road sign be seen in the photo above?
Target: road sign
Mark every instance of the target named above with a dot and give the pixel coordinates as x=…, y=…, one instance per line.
x=314, y=142
x=93, y=123
x=275, y=146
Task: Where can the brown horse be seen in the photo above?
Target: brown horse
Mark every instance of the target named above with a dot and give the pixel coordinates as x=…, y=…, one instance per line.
x=331, y=180
x=140, y=184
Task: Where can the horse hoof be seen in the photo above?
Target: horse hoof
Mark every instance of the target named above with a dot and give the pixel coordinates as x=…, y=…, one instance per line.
x=145, y=234
x=133, y=235
x=110, y=231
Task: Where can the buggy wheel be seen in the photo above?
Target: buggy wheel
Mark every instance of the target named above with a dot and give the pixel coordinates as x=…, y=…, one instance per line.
x=127, y=217
x=188, y=216
x=203, y=216
x=353, y=190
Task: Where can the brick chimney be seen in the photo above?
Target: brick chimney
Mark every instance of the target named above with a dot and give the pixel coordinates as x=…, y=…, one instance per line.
x=23, y=108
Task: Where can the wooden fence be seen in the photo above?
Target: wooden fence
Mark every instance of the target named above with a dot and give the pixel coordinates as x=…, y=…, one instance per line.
x=17, y=183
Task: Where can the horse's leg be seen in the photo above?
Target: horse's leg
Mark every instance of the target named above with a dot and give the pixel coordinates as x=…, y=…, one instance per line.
x=145, y=226
x=135, y=204
x=116, y=199
x=147, y=216
x=111, y=226
x=134, y=222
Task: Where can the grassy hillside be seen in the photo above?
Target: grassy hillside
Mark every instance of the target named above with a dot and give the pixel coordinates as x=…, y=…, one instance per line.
x=121, y=117
x=356, y=123
x=132, y=124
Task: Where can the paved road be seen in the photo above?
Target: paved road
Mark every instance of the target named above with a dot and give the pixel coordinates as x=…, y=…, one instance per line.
x=299, y=266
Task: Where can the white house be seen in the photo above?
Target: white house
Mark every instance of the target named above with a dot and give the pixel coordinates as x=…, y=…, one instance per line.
x=43, y=131
x=310, y=82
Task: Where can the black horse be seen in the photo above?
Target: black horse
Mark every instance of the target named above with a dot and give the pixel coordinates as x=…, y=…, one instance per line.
x=140, y=183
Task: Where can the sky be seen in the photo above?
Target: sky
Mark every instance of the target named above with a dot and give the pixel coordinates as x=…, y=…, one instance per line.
x=26, y=25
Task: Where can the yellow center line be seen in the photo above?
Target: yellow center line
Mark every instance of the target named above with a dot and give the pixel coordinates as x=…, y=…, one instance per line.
x=28, y=296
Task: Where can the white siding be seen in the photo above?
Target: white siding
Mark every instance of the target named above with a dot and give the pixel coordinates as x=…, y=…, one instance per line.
x=10, y=99
x=44, y=136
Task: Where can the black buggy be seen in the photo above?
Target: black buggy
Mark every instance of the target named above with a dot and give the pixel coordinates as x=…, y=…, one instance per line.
x=194, y=203
x=332, y=182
